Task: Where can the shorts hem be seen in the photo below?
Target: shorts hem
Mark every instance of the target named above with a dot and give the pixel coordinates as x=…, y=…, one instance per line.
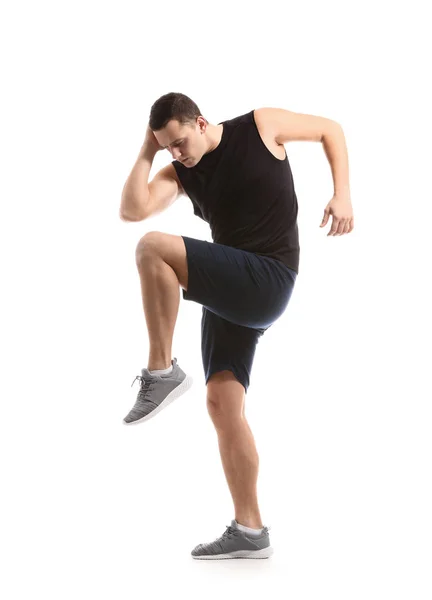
x=224, y=367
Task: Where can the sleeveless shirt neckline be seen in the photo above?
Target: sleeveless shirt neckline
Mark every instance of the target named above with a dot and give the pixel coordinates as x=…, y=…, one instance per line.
x=218, y=147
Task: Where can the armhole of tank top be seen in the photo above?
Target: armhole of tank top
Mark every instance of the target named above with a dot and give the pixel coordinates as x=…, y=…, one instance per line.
x=177, y=178
x=279, y=160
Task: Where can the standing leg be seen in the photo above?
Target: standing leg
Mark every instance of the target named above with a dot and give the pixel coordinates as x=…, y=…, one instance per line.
x=162, y=266
x=225, y=403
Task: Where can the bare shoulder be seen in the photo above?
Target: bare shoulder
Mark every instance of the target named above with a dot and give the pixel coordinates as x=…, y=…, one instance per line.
x=263, y=119
x=289, y=126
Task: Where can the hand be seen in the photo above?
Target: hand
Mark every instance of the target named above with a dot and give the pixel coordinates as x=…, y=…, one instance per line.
x=343, y=219
x=150, y=141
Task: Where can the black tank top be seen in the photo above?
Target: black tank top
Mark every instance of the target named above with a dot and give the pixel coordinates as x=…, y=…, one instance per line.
x=245, y=193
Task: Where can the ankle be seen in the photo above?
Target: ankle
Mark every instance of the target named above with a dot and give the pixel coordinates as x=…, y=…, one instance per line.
x=159, y=364
x=254, y=523
x=158, y=367
x=250, y=524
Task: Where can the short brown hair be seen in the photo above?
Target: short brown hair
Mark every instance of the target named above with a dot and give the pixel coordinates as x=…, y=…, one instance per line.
x=173, y=106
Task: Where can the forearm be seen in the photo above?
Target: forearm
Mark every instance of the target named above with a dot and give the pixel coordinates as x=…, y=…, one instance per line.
x=337, y=154
x=135, y=191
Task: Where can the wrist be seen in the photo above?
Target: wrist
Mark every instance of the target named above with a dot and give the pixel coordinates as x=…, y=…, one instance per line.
x=342, y=191
x=147, y=152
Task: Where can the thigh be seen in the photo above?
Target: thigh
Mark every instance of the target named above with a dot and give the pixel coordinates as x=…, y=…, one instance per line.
x=227, y=346
x=240, y=286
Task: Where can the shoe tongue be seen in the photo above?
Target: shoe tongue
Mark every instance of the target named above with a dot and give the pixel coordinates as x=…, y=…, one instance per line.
x=234, y=524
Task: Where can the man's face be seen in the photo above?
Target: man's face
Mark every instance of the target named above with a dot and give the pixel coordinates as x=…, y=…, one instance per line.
x=185, y=142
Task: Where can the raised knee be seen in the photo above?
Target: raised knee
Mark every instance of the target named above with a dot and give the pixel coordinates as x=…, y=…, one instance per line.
x=148, y=243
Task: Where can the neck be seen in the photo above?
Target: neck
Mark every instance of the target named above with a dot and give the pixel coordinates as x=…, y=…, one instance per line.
x=214, y=135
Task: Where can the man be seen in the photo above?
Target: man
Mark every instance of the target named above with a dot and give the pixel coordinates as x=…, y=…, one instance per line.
x=239, y=180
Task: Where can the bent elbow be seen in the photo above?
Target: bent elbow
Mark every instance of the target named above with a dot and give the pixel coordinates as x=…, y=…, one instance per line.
x=131, y=218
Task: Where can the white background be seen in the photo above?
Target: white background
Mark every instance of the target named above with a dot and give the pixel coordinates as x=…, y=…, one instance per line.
x=340, y=395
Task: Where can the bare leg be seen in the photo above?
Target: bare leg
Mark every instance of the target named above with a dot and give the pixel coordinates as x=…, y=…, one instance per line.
x=237, y=448
x=240, y=462
x=161, y=298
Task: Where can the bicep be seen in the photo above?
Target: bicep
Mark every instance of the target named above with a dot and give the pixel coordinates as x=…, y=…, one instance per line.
x=164, y=189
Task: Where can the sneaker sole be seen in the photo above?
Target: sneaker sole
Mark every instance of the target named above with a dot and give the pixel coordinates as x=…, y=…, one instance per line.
x=178, y=391
x=263, y=553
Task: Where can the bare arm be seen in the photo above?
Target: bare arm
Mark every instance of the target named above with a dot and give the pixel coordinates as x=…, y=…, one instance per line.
x=336, y=151
x=135, y=195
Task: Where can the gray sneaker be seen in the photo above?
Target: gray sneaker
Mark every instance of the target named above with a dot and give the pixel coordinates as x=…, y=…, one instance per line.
x=156, y=392
x=235, y=544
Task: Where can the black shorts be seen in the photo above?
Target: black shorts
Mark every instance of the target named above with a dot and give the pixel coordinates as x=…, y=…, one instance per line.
x=242, y=295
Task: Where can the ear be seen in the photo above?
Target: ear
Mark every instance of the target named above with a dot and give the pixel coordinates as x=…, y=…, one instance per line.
x=202, y=122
